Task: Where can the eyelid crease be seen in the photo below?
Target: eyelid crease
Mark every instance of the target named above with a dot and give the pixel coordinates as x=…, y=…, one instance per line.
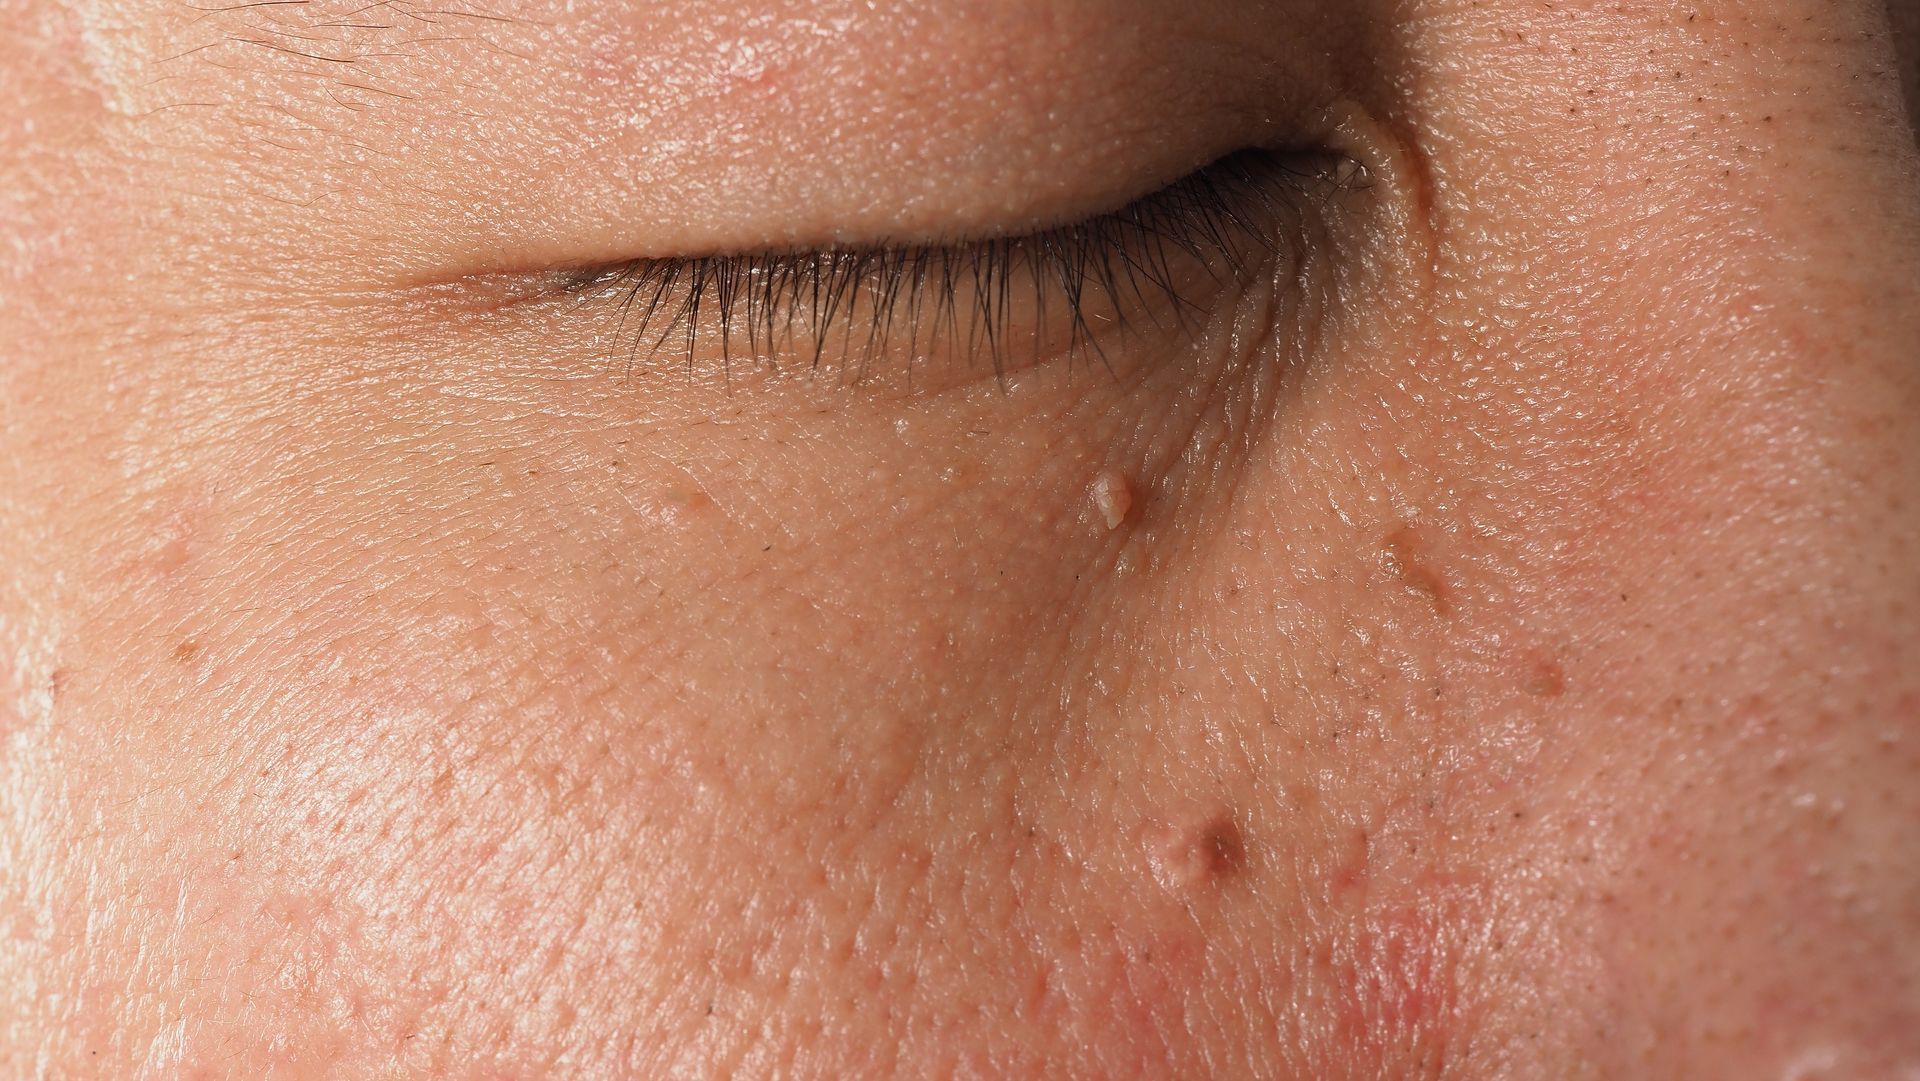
x=970, y=297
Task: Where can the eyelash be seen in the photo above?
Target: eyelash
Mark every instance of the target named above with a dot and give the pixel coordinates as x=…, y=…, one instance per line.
x=1102, y=272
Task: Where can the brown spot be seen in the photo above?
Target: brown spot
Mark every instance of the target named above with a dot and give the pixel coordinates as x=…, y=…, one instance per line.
x=179, y=539
x=689, y=497
x=1409, y=557
x=186, y=651
x=173, y=555
x=58, y=681
x=1542, y=676
x=1208, y=850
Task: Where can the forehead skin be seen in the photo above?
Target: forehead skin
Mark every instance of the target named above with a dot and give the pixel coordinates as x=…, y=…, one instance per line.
x=1504, y=665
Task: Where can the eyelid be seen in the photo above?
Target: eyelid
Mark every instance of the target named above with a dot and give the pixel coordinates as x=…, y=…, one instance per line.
x=969, y=298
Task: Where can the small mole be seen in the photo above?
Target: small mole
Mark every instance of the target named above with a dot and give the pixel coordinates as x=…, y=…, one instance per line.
x=1113, y=497
x=1187, y=855
x=186, y=651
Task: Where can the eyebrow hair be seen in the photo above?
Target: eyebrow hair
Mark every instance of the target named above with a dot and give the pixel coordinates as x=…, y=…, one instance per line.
x=354, y=52
x=354, y=14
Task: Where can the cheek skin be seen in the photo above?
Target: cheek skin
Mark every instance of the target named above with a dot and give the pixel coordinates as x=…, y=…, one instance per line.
x=738, y=723
x=1707, y=471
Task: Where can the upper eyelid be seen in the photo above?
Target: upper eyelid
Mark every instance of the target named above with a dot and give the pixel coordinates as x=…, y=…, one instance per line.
x=1119, y=259
x=544, y=111
x=1183, y=187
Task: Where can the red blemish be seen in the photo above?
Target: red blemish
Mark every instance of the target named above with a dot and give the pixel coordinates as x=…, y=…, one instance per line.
x=1351, y=875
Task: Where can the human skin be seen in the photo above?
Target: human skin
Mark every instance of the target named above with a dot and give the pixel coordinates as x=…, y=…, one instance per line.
x=1506, y=667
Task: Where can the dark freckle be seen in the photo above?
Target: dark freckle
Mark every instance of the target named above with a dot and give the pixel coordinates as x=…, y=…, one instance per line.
x=1226, y=850
x=186, y=651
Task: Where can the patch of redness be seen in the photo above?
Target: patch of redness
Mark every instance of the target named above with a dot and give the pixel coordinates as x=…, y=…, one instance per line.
x=1394, y=974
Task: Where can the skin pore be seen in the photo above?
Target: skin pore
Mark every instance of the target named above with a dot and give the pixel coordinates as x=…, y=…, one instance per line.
x=1501, y=663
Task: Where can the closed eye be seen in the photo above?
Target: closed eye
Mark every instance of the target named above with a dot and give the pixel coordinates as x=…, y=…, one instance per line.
x=1007, y=302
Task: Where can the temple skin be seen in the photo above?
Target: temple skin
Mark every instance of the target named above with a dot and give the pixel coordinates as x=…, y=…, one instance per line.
x=1504, y=667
